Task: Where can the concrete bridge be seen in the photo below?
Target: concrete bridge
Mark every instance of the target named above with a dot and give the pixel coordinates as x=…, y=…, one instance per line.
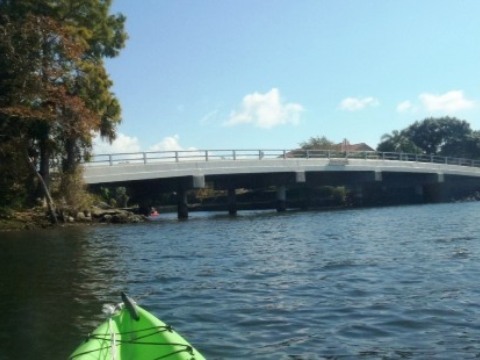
x=428, y=178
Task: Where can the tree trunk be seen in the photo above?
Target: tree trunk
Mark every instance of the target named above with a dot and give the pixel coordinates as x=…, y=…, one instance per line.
x=45, y=162
x=43, y=184
x=69, y=163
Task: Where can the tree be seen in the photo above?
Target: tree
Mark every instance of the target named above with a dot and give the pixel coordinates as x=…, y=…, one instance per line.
x=30, y=90
x=444, y=136
x=317, y=143
x=468, y=147
x=54, y=90
x=397, y=141
x=104, y=35
x=437, y=135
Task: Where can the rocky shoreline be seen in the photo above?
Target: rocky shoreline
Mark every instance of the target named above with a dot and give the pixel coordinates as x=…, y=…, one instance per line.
x=37, y=218
x=100, y=215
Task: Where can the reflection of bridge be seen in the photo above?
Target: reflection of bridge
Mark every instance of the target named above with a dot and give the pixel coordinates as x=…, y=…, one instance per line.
x=424, y=177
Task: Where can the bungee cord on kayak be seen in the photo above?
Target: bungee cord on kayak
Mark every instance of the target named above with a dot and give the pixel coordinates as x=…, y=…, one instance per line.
x=130, y=332
x=186, y=348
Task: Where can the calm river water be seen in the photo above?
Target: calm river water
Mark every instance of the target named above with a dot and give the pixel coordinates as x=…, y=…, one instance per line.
x=386, y=283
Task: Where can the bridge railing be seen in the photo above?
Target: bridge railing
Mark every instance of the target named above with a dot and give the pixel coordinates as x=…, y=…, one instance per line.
x=184, y=155
x=262, y=154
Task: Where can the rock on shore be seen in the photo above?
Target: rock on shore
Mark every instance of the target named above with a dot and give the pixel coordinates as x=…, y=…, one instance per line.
x=38, y=218
x=114, y=216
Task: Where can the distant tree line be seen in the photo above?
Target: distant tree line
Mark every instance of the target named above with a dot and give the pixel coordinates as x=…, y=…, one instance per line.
x=444, y=136
x=317, y=143
x=55, y=93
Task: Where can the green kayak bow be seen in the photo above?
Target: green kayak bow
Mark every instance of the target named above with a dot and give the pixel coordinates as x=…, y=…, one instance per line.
x=132, y=333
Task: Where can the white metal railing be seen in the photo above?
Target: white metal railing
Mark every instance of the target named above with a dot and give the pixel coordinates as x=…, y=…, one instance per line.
x=262, y=154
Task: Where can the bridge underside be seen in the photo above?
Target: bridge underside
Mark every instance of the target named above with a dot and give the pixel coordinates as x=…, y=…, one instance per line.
x=367, y=187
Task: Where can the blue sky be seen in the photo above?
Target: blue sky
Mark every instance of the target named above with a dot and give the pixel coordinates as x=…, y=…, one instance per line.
x=251, y=74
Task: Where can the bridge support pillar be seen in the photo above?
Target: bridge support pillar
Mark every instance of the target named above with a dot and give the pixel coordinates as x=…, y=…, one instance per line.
x=232, y=202
x=419, y=191
x=358, y=193
x=198, y=182
x=418, y=194
x=182, y=206
x=436, y=193
x=281, y=198
x=300, y=177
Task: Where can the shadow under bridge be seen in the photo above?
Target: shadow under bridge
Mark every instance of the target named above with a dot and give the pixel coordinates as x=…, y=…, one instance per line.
x=372, y=177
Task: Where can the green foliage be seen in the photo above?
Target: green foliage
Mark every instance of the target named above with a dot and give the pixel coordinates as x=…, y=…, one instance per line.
x=121, y=196
x=71, y=190
x=467, y=147
x=317, y=143
x=16, y=181
x=5, y=212
x=444, y=136
x=115, y=196
x=339, y=195
x=433, y=134
x=397, y=141
x=54, y=89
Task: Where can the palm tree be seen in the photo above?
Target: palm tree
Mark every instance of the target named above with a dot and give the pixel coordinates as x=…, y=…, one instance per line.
x=397, y=141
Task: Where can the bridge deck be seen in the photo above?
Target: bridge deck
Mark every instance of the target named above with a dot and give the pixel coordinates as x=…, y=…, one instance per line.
x=112, y=168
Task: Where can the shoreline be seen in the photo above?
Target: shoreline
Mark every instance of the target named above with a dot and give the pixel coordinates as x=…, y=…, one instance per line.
x=37, y=218
x=29, y=219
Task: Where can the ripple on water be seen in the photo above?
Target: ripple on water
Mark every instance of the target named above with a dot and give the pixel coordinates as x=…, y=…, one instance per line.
x=392, y=283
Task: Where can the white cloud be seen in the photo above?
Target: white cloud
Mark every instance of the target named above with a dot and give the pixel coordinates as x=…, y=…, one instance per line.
x=122, y=144
x=127, y=144
x=265, y=111
x=209, y=118
x=356, y=104
x=172, y=143
x=406, y=106
x=169, y=143
x=450, y=101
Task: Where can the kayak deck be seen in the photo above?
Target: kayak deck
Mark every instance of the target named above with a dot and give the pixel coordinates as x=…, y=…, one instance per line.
x=139, y=336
